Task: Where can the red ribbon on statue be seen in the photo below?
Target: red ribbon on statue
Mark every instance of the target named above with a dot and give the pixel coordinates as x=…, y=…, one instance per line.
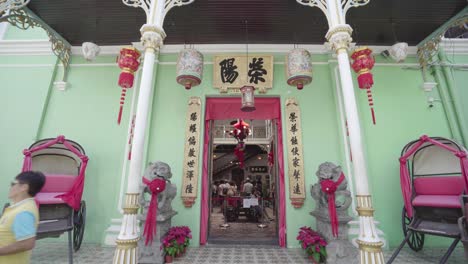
x=329, y=187
x=155, y=186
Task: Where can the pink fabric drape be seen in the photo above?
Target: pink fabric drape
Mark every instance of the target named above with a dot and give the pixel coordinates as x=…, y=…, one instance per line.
x=229, y=108
x=204, y=196
x=282, y=192
x=73, y=196
x=226, y=108
x=405, y=180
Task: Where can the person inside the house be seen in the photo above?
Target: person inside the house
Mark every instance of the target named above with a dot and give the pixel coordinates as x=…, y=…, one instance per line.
x=214, y=193
x=19, y=221
x=258, y=209
x=248, y=187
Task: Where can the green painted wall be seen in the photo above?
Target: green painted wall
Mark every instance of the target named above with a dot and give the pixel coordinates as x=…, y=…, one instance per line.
x=14, y=33
x=87, y=113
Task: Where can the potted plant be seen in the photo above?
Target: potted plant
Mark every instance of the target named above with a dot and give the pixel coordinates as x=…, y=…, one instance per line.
x=313, y=243
x=176, y=241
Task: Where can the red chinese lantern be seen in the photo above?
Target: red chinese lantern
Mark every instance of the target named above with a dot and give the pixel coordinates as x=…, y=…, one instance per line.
x=128, y=62
x=362, y=65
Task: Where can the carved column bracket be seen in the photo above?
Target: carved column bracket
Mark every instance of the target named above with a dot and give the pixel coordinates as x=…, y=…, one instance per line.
x=191, y=153
x=295, y=157
x=339, y=37
x=152, y=37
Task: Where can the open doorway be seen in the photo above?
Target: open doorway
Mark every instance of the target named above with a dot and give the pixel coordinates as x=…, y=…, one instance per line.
x=263, y=165
x=243, y=201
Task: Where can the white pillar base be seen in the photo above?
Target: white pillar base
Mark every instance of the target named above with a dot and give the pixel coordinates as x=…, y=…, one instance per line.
x=353, y=233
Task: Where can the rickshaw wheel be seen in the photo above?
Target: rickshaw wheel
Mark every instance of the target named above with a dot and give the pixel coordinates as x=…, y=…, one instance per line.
x=416, y=239
x=79, y=222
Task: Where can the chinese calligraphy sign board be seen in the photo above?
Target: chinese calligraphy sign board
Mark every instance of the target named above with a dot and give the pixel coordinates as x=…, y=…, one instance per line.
x=295, y=157
x=231, y=72
x=192, y=152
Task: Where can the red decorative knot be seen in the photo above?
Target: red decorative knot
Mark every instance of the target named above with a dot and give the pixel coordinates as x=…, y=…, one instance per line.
x=84, y=158
x=402, y=160
x=328, y=186
x=424, y=138
x=156, y=186
x=460, y=154
x=61, y=139
x=27, y=152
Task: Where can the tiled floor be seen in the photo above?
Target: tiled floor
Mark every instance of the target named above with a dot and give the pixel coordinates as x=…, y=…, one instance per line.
x=243, y=231
x=56, y=253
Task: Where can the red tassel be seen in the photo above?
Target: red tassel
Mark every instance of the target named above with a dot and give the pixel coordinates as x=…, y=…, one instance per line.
x=373, y=115
x=156, y=186
x=371, y=104
x=122, y=101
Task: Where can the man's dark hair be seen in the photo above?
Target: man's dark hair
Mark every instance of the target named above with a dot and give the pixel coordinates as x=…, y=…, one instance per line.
x=34, y=179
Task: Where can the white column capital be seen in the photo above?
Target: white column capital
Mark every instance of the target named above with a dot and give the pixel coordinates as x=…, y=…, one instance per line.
x=339, y=37
x=152, y=36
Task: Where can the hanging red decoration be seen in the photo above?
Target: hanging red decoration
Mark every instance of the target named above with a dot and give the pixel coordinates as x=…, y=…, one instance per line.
x=240, y=132
x=271, y=158
x=362, y=65
x=128, y=62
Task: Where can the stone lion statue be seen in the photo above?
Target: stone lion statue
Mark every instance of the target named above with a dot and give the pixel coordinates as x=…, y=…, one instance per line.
x=339, y=249
x=330, y=171
x=153, y=253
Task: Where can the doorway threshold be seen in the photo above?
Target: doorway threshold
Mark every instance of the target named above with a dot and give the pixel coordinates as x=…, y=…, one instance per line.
x=241, y=242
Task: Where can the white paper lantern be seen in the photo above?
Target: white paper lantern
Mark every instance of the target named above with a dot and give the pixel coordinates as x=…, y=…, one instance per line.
x=248, y=101
x=189, y=68
x=298, y=68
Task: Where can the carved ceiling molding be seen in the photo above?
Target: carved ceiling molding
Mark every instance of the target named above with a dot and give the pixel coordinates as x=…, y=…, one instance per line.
x=24, y=19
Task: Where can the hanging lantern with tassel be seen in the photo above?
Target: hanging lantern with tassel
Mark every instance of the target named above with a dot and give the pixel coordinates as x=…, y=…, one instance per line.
x=298, y=68
x=128, y=62
x=189, y=68
x=362, y=65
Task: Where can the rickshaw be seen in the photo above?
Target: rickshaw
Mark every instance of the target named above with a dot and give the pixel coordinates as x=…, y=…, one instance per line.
x=61, y=209
x=434, y=179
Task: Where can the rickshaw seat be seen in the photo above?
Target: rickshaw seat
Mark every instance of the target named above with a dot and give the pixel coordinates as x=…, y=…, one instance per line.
x=49, y=198
x=444, y=201
x=440, y=185
x=55, y=185
x=440, y=191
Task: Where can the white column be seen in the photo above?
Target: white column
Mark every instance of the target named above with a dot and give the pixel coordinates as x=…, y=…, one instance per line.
x=339, y=36
x=354, y=127
x=370, y=245
x=127, y=240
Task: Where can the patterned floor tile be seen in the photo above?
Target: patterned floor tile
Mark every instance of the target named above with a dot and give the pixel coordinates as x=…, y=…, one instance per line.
x=56, y=253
